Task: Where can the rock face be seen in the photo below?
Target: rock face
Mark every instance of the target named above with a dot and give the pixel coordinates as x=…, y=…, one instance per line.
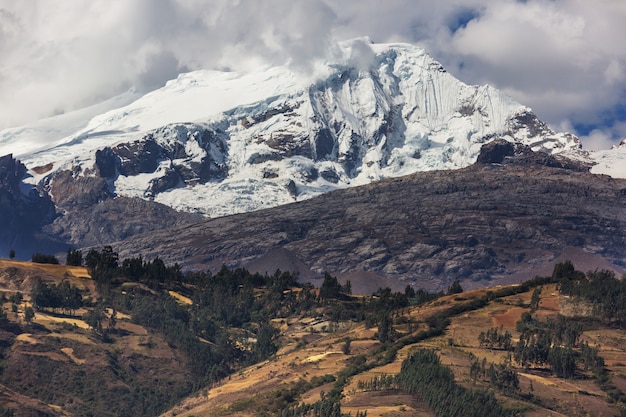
x=23, y=210
x=112, y=220
x=481, y=223
x=183, y=155
x=499, y=150
x=495, y=152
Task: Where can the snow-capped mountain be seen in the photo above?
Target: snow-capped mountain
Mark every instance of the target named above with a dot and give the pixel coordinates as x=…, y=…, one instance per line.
x=611, y=162
x=219, y=143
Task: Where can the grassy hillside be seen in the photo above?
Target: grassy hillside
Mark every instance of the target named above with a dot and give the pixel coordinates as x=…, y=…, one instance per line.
x=313, y=361
x=242, y=344
x=57, y=364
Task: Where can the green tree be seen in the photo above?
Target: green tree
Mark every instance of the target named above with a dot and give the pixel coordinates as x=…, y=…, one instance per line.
x=563, y=270
x=12, y=254
x=385, y=329
x=495, y=338
x=41, y=258
x=535, y=299
x=69, y=296
x=345, y=348
x=112, y=320
x=42, y=296
x=409, y=291
x=104, y=260
x=264, y=341
x=562, y=361
x=29, y=314
x=102, y=265
x=94, y=318
x=330, y=287
x=16, y=298
x=74, y=257
x=347, y=288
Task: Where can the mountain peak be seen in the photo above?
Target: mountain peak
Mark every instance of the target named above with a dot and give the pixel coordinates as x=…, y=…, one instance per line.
x=273, y=136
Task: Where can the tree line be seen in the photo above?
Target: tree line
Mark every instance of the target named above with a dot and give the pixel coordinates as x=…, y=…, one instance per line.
x=423, y=374
x=600, y=288
x=64, y=297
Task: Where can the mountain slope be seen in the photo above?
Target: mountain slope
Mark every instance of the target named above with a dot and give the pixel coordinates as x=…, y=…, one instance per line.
x=310, y=357
x=515, y=211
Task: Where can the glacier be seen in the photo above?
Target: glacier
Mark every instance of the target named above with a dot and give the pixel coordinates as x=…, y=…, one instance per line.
x=228, y=142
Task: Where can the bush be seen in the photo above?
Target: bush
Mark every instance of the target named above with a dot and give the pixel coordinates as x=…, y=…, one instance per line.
x=40, y=258
x=74, y=258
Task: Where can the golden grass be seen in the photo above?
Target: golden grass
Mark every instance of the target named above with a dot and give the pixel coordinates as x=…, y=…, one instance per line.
x=319, y=357
x=180, y=298
x=27, y=337
x=55, y=270
x=47, y=319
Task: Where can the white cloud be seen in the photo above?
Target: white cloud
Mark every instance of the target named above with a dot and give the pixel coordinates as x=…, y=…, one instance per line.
x=563, y=58
x=614, y=73
x=598, y=139
x=59, y=56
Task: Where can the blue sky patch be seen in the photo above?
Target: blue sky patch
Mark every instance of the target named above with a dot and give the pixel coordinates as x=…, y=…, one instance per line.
x=460, y=19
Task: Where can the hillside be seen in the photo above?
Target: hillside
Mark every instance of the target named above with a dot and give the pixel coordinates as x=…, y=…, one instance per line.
x=547, y=347
x=56, y=365
x=312, y=356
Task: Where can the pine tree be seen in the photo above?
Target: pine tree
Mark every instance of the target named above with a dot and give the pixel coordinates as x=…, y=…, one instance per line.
x=385, y=329
x=455, y=287
x=535, y=300
x=29, y=314
x=74, y=257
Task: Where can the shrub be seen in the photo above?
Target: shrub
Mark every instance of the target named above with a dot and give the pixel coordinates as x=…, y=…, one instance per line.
x=40, y=258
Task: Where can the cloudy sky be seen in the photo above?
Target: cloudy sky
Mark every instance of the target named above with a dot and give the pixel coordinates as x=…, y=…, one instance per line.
x=564, y=58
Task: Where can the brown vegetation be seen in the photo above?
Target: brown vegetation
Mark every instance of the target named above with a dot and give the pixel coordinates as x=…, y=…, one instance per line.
x=313, y=353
